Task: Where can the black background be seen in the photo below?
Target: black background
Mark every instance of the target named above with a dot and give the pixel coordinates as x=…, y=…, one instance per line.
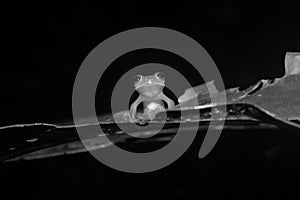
x=44, y=46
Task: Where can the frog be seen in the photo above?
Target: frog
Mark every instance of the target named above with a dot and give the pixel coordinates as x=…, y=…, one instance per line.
x=150, y=89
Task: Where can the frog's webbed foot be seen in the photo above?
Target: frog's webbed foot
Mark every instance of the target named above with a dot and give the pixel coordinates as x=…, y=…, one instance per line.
x=171, y=104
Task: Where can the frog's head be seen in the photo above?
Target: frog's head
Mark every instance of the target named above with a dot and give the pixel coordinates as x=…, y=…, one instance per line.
x=149, y=86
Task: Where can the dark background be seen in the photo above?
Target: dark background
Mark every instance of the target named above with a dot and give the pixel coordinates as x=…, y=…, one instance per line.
x=44, y=45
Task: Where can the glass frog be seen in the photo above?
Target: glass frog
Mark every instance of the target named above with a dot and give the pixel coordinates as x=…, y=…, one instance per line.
x=150, y=89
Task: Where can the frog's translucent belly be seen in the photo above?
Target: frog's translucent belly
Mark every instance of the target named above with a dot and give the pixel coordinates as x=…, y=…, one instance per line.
x=150, y=111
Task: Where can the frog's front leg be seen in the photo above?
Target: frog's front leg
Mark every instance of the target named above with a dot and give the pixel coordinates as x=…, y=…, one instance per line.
x=170, y=103
x=134, y=106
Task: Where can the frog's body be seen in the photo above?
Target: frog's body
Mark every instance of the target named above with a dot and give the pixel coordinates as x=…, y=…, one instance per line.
x=151, y=93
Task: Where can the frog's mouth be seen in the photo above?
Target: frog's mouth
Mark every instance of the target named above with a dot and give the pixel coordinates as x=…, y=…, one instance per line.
x=150, y=85
x=150, y=90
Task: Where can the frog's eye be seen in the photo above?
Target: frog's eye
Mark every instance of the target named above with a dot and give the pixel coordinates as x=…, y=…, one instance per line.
x=160, y=75
x=137, y=78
